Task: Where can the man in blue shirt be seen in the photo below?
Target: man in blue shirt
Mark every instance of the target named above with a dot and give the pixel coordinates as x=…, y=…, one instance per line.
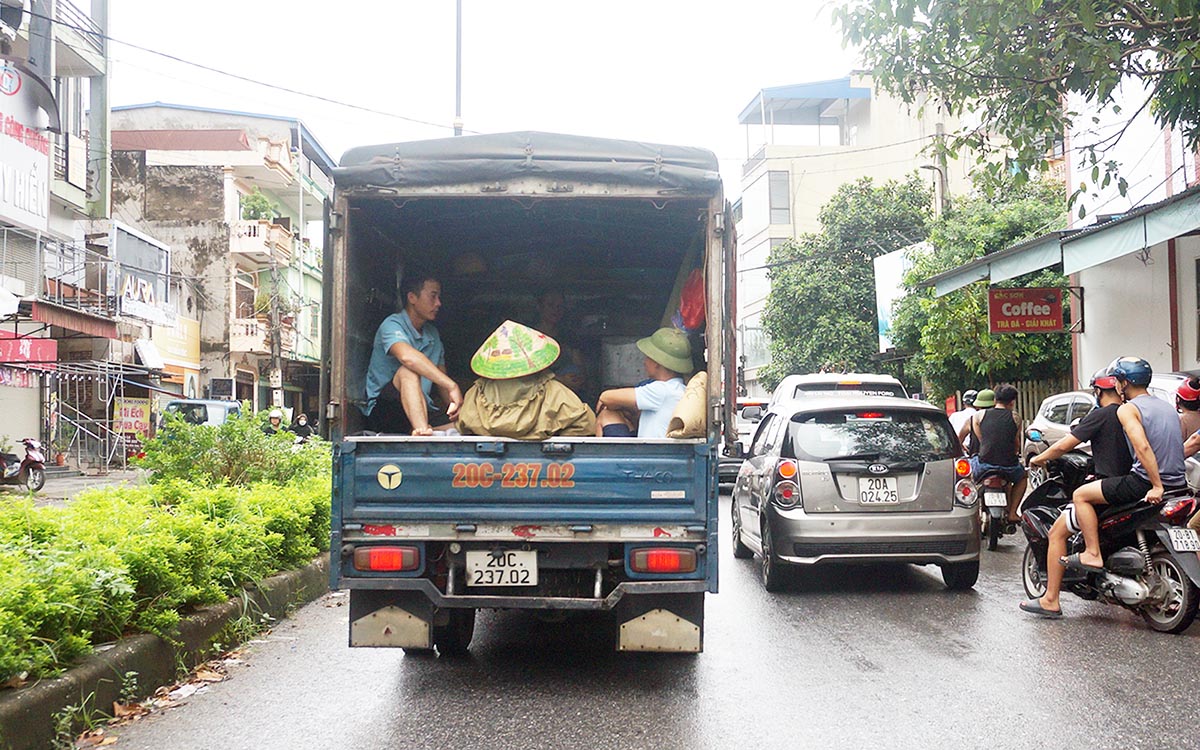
x=407, y=361
x=668, y=361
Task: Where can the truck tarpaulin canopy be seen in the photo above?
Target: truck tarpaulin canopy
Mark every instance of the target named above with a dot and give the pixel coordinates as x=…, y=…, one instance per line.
x=507, y=156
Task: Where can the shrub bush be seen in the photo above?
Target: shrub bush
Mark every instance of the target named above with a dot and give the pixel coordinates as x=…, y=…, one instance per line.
x=133, y=558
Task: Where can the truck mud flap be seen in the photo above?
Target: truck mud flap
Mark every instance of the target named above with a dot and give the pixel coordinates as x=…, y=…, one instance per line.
x=390, y=619
x=668, y=623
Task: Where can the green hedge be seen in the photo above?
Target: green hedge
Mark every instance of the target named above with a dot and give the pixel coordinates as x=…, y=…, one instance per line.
x=132, y=559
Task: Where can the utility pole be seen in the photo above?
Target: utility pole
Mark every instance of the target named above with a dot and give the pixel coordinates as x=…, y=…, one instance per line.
x=276, y=333
x=458, y=123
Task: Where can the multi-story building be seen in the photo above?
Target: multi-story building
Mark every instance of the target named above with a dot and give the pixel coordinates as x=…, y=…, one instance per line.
x=240, y=199
x=805, y=141
x=60, y=313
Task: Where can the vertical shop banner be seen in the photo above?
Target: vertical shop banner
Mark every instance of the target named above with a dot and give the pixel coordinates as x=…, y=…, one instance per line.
x=1025, y=310
x=131, y=416
x=24, y=152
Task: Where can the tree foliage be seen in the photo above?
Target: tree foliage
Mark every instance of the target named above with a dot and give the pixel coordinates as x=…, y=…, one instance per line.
x=820, y=314
x=948, y=336
x=1013, y=64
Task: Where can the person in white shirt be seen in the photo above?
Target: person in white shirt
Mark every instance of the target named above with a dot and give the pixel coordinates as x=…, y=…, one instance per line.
x=963, y=415
x=649, y=405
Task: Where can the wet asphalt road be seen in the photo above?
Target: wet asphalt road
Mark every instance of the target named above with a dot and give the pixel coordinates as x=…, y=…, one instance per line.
x=866, y=657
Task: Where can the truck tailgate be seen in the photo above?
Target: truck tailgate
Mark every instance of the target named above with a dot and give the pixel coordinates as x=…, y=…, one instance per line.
x=468, y=479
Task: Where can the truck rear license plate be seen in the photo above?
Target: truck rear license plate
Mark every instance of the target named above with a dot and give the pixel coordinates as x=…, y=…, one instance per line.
x=878, y=490
x=1184, y=540
x=995, y=499
x=506, y=567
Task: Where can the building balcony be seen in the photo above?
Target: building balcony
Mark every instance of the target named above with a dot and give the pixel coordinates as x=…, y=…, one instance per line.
x=253, y=336
x=70, y=169
x=258, y=243
x=79, y=47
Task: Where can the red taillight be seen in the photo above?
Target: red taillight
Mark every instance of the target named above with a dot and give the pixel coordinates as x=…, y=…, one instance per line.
x=786, y=469
x=962, y=467
x=787, y=494
x=387, y=558
x=1179, y=512
x=663, y=560
x=869, y=415
x=994, y=482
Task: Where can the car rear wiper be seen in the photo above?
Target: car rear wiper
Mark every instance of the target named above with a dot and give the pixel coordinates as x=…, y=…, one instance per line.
x=856, y=457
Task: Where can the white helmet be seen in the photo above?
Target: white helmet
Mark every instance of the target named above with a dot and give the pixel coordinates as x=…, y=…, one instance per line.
x=275, y=414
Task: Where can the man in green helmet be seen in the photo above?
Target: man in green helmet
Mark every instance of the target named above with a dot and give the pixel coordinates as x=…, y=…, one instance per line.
x=648, y=406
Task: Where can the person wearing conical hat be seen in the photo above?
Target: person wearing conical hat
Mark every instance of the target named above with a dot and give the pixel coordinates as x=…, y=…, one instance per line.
x=517, y=395
x=650, y=405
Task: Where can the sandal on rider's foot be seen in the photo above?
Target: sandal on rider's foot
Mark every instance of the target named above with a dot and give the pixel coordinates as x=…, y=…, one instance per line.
x=1072, y=562
x=1034, y=607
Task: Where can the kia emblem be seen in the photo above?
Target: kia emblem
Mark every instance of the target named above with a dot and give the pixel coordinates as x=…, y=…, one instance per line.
x=877, y=469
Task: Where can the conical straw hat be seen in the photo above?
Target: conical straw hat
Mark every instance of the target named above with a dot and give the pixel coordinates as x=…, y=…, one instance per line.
x=513, y=351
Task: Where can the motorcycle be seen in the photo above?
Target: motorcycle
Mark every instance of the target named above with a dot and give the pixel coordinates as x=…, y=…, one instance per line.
x=992, y=488
x=1150, y=564
x=30, y=471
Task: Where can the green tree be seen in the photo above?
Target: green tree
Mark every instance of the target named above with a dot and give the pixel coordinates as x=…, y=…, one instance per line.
x=1014, y=64
x=948, y=336
x=820, y=313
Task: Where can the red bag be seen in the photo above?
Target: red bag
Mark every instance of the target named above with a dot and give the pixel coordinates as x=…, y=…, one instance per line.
x=691, y=301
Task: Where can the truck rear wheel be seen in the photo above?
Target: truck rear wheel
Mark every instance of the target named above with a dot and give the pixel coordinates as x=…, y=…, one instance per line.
x=453, y=638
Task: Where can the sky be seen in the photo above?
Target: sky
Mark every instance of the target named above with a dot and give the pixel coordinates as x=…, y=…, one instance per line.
x=667, y=71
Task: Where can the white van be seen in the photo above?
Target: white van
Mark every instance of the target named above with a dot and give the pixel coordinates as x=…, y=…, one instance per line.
x=203, y=411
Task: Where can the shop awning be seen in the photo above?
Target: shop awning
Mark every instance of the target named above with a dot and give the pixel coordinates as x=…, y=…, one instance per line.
x=1078, y=249
x=70, y=318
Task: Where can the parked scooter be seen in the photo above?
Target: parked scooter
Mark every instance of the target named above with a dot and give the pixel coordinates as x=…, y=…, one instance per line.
x=30, y=471
x=1150, y=564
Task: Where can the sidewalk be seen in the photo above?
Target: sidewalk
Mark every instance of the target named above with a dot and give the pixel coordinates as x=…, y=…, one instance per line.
x=60, y=489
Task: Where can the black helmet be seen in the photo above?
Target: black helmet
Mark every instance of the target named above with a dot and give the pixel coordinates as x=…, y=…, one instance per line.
x=968, y=397
x=1133, y=370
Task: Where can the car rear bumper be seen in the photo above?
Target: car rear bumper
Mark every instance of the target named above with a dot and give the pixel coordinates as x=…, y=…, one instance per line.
x=727, y=470
x=923, y=538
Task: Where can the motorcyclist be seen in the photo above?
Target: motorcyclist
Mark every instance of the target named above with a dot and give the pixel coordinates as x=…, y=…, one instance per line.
x=274, y=422
x=997, y=432
x=963, y=415
x=1150, y=427
x=1187, y=402
x=302, y=429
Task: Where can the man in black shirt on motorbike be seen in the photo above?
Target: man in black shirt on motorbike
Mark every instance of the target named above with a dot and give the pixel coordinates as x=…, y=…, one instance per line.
x=997, y=432
x=1151, y=427
x=1110, y=453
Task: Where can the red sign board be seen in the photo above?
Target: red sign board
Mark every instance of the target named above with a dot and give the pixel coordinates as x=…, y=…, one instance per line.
x=28, y=350
x=1025, y=310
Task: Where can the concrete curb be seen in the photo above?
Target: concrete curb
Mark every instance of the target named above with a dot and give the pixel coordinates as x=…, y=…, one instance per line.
x=27, y=714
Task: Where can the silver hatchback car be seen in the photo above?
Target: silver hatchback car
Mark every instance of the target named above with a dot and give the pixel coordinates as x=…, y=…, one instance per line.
x=863, y=479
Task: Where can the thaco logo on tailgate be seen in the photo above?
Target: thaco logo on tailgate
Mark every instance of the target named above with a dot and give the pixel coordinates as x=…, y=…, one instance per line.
x=514, y=475
x=389, y=476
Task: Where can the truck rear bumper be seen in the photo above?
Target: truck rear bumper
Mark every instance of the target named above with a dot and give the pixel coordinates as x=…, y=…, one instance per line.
x=473, y=601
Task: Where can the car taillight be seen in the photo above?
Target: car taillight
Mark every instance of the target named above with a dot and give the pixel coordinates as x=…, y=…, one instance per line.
x=787, y=494
x=662, y=560
x=387, y=558
x=1178, y=512
x=962, y=467
x=786, y=469
x=994, y=482
x=869, y=415
x=965, y=494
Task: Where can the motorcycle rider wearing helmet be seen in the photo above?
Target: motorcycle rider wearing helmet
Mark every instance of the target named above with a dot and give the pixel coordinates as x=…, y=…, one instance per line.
x=997, y=433
x=1187, y=401
x=274, y=420
x=963, y=415
x=1150, y=427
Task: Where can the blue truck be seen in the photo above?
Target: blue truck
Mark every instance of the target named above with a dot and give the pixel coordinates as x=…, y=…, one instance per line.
x=426, y=531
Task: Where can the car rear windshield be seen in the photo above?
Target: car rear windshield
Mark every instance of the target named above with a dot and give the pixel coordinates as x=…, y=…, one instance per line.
x=871, y=434
x=191, y=413
x=850, y=389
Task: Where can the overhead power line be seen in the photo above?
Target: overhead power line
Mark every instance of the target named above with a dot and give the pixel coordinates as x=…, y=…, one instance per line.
x=236, y=76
